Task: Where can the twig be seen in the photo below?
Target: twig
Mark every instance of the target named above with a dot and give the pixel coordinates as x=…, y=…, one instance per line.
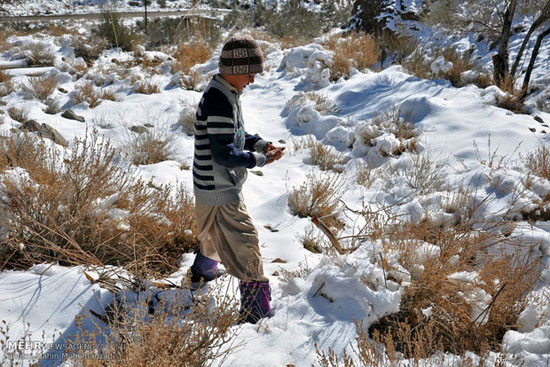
x=384, y=270
x=329, y=234
x=490, y=305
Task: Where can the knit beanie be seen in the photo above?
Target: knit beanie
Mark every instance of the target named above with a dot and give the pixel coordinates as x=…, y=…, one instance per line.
x=241, y=55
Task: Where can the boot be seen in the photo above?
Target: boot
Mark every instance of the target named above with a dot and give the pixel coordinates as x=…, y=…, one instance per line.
x=204, y=269
x=255, y=297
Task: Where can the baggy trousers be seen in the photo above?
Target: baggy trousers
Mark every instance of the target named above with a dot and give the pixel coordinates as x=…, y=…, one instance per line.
x=226, y=233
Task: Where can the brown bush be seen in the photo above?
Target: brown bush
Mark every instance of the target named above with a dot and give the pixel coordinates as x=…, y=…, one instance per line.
x=538, y=162
x=325, y=158
x=190, y=54
x=89, y=48
x=39, y=54
x=150, y=147
x=360, y=48
x=89, y=210
x=86, y=92
x=184, y=330
x=41, y=87
x=512, y=100
x=318, y=197
x=146, y=87
x=4, y=76
x=435, y=317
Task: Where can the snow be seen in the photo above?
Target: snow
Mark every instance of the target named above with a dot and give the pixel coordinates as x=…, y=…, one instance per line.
x=477, y=147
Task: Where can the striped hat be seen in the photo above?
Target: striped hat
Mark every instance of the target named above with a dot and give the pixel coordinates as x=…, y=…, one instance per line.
x=241, y=55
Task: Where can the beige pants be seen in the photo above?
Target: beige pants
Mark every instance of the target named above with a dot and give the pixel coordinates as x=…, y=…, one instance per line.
x=227, y=234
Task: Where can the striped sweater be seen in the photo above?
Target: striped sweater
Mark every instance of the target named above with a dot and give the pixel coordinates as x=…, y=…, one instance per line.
x=223, y=149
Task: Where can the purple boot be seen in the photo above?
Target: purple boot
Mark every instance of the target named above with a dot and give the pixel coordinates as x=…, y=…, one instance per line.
x=203, y=268
x=255, y=297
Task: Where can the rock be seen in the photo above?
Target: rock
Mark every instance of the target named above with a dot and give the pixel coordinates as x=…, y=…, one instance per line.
x=532, y=129
x=148, y=125
x=31, y=125
x=48, y=132
x=257, y=173
x=279, y=261
x=539, y=119
x=282, y=141
x=62, y=90
x=69, y=114
x=139, y=129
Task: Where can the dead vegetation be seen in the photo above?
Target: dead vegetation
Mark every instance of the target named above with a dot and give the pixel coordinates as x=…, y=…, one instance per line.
x=357, y=50
x=89, y=93
x=88, y=210
x=182, y=329
x=89, y=48
x=325, y=157
x=150, y=147
x=189, y=54
x=41, y=87
x=318, y=197
x=459, y=299
x=146, y=87
x=39, y=54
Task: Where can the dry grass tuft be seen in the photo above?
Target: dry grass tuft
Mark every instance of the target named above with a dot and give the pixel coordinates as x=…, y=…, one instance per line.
x=86, y=92
x=83, y=207
x=41, y=87
x=146, y=87
x=321, y=102
x=512, y=100
x=150, y=147
x=358, y=50
x=18, y=114
x=318, y=197
x=187, y=120
x=4, y=44
x=89, y=48
x=326, y=158
x=459, y=299
x=190, y=54
x=538, y=162
x=39, y=54
x=394, y=122
x=184, y=330
x=4, y=77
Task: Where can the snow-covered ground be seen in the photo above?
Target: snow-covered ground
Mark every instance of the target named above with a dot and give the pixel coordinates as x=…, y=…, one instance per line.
x=459, y=129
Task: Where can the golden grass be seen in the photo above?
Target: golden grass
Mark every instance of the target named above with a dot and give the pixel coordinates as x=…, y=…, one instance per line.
x=357, y=50
x=84, y=208
x=190, y=54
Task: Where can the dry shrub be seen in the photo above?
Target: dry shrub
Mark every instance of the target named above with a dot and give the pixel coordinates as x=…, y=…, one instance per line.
x=18, y=114
x=79, y=69
x=538, y=162
x=6, y=84
x=395, y=45
x=417, y=64
x=83, y=207
x=89, y=48
x=192, y=80
x=395, y=122
x=4, y=44
x=187, y=120
x=321, y=102
x=41, y=87
x=39, y=54
x=150, y=147
x=86, y=92
x=184, y=330
x=52, y=106
x=512, y=99
x=318, y=197
x=435, y=314
x=108, y=94
x=360, y=48
x=190, y=54
x=4, y=77
x=146, y=87
x=324, y=157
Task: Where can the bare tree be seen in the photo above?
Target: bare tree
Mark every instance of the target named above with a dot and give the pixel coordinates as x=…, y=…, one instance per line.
x=500, y=60
x=544, y=16
x=534, y=55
